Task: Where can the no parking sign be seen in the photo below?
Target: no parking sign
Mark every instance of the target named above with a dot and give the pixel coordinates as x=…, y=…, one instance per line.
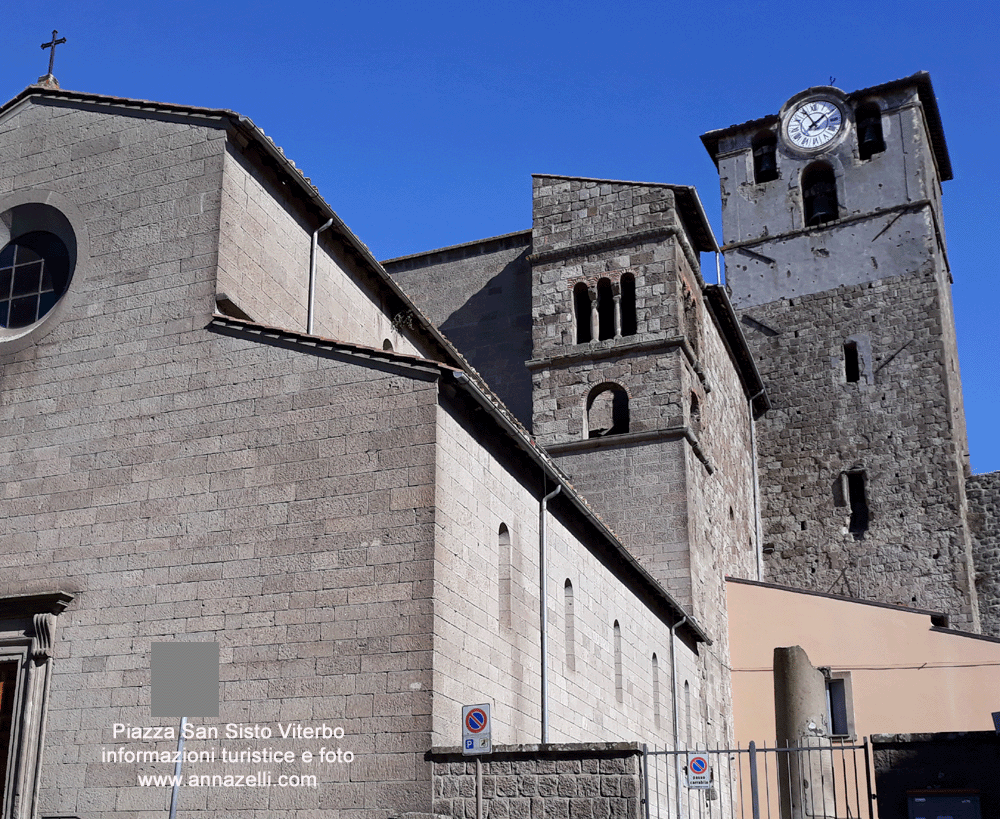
x=476, y=729
x=699, y=772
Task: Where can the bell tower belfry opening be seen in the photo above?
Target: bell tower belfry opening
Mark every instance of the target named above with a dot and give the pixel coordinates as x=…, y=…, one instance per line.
x=829, y=257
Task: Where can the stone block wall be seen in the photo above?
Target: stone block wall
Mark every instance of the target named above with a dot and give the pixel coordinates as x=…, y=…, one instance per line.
x=581, y=232
x=640, y=490
x=983, y=493
x=487, y=632
x=479, y=296
x=264, y=252
x=893, y=422
x=185, y=485
x=541, y=782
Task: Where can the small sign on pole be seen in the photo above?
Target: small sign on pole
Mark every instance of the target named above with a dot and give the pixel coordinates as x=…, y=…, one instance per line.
x=476, y=729
x=699, y=772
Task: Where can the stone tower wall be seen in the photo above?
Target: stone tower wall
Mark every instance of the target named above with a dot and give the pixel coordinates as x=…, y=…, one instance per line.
x=580, y=235
x=479, y=296
x=891, y=423
x=873, y=284
x=983, y=492
x=904, y=173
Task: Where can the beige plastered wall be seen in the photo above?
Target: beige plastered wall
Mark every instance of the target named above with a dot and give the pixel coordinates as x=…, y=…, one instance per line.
x=906, y=675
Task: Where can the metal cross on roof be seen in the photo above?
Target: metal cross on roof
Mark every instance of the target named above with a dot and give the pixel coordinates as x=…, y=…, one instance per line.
x=52, y=45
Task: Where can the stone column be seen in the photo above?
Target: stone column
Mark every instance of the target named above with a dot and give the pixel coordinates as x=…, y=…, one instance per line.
x=805, y=773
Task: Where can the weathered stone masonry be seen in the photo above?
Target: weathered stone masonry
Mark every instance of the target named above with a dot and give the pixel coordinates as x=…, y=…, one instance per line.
x=983, y=492
x=532, y=782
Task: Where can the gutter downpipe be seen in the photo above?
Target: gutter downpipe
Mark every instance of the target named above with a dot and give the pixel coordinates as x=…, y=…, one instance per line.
x=758, y=534
x=311, y=309
x=673, y=697
x=543, y=616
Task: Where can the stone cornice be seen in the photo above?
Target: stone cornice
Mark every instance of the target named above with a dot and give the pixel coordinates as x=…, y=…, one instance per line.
x=592, y=351
x=629, y=438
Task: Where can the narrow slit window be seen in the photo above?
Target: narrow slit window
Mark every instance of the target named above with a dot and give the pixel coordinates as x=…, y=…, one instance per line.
x=687, y=713
x=605, y=310
x=619, y=685
x=570, y=618
x=630, y=324
x=656, y=692
x=581, y=312
x=858, y=499
x=504, y=559
x=836, y=704
x=852, y=366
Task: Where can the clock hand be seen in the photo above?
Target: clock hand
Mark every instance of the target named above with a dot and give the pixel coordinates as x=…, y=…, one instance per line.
x=812, y=122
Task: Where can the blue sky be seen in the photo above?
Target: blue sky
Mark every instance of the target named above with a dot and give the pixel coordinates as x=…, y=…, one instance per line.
x=421, y=123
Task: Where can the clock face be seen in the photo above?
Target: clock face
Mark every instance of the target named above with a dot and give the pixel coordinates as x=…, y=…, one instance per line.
x=814, y=124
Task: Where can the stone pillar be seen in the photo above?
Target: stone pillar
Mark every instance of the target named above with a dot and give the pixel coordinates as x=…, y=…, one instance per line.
x=805, y=773
x=595, y=319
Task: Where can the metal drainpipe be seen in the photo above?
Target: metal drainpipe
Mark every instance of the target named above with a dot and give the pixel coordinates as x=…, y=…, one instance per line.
x=312, y=275
x=718, y=269
x=758, y=535
x=673, y=697
x=543, y=617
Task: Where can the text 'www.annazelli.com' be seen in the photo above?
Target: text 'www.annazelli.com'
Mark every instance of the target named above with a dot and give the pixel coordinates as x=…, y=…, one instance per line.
x=260, y=779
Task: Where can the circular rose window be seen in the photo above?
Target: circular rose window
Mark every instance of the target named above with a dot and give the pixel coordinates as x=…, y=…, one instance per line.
x=34, y=272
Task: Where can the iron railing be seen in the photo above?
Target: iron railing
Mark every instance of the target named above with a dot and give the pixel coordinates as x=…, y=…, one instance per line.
x=824, y=780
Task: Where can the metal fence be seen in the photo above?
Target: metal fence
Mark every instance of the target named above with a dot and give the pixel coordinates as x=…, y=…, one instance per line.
x=825, y=780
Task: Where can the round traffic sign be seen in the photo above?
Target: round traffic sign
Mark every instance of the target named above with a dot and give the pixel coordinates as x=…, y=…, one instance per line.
x=475, y=720
x=698, y=765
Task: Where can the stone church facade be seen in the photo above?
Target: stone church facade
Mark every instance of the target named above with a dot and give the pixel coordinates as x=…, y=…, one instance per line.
x=516, y=471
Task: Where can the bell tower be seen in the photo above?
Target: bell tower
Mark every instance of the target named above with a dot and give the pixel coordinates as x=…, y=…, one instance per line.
x=634, y=393
x=838, y=267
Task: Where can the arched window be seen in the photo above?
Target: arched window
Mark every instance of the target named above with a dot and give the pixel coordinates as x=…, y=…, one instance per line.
x=581, y=312
x=607, y=411
x=504, y=559
x=868, y=117
x=765, y=162
x=819, y=194
x=656, y=692
x=619, y=682
x=387, y=345
x=687, y=714
x=570, y=618
x=605, y=310
x=34, y=273
x=629, y=320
